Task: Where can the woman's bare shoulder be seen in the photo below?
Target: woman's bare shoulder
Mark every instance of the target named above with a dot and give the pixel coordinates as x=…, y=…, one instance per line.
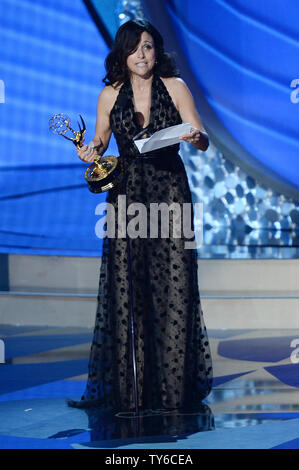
x=108, y=96
x=173, y=82
x=176, y=87
x=110, y=91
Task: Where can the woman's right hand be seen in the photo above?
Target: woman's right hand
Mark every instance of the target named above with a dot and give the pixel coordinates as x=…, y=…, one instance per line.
x=87, y=153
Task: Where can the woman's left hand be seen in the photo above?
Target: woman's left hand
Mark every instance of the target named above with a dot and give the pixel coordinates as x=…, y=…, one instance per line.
x=193, y=137
x=199, y=139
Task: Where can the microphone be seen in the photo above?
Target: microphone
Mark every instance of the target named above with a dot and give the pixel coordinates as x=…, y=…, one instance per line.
x=143, y=131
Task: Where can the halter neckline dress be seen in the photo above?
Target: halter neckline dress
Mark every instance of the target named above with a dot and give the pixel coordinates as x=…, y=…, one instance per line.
x=173, y=358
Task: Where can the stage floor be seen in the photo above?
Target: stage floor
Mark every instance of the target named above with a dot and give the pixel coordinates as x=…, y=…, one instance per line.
x=254, y=403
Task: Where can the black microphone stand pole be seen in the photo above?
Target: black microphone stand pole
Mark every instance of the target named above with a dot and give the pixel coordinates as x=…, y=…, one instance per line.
x=131, y=304
x=123, y=100
x=131, y=290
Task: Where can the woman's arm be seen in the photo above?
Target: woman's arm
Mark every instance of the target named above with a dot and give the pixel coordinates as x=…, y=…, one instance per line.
x=103, y=131
x=102, y=135
x=188, y=113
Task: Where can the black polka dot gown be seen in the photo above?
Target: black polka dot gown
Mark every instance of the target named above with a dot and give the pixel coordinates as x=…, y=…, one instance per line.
x=173, y=358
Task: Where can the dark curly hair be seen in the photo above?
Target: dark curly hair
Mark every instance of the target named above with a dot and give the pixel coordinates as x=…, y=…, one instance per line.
x=126, y=41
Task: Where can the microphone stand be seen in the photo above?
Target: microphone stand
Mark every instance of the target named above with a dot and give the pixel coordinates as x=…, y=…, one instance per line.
x=131, y=293
x=128, y=249
x=131, y=312
x=122, y=101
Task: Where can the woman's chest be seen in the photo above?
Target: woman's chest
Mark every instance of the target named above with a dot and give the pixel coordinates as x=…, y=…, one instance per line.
x=142, y=107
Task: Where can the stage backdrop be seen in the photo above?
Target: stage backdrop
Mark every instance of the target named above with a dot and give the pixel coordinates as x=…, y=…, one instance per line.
x=52, y=61
x=239, y=59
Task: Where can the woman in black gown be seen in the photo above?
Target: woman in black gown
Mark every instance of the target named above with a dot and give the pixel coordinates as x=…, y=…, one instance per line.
x=172, y=352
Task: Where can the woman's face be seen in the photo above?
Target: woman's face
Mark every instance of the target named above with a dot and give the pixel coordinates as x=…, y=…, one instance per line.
x=142, y=61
